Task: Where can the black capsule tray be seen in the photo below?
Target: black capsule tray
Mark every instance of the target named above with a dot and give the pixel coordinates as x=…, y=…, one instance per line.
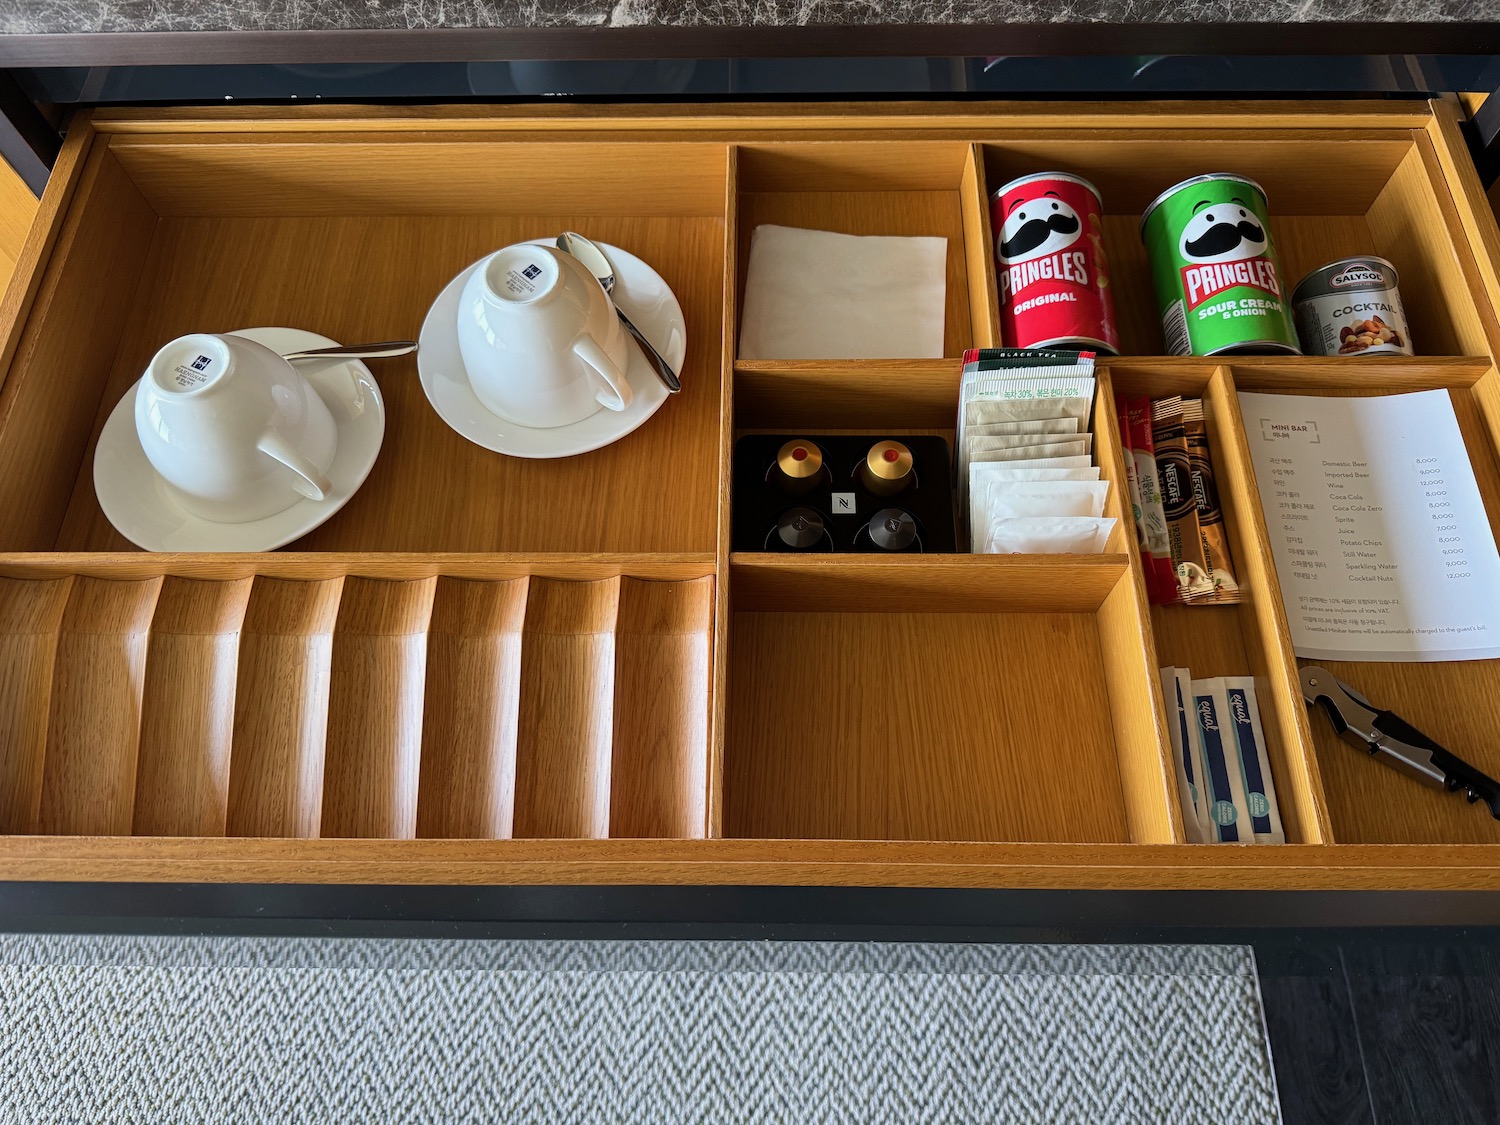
x=758, y=503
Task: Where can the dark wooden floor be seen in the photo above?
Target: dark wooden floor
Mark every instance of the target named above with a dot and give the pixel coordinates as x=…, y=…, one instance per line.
x=1382, y=1028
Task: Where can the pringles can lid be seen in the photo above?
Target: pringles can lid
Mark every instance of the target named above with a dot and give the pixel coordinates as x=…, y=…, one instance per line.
x=1206, y=178
x=1020, y=181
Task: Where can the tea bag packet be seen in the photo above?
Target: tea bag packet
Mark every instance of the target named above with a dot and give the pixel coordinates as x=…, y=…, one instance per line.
x=1073, y=448
x=813, y=294
x=1031, y=426
x=1176, y=687
x=1003, y=470
x=1255, y=766
x=1027, y=409
x=994, y=499
x=1040, y=442
x=1228, y=809
x=1045, y=535
x=1190, y=563
x=1206, y=494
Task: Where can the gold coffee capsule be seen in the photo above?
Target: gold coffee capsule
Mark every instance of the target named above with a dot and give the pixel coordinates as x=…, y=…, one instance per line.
x=799, y=465
x=886, y=469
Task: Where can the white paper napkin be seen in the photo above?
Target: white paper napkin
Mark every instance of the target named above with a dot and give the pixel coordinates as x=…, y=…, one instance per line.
x=813, y=294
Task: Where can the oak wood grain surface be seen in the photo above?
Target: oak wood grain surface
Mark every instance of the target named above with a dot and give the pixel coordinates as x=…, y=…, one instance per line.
x=187, y=710
x=563, y=651
x=431, y=489
x=567, y=709
x=281, y=708
x=920, y=727
x=468, y=769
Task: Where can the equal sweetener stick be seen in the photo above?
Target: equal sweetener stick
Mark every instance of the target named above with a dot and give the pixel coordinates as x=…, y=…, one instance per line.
x=1260, y=791
x=1228, y=813
x=1182, y=749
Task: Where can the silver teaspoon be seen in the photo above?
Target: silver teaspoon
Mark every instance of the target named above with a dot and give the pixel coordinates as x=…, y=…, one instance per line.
x=388, y=349
x=596, y=263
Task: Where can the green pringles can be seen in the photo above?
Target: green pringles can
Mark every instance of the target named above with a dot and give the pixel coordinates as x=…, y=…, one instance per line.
x=1219, y=285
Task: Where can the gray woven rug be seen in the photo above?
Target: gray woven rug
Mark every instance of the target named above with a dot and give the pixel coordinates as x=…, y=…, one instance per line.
x=338, y=1030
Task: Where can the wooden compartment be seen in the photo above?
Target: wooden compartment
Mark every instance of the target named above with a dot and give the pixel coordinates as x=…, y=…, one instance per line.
x=1330, y=197
x=223, y=699
x=892, y=725
x=490, y=670
x=302, y=231
x=1449, y=700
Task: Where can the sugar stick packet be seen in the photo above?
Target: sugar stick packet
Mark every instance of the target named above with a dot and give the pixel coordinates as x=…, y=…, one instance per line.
x=1255, y=766
x=1132, y=484
x=1206, y=495
x=1195, y=576
x=1176, y=686
x=1156, y=555
x=1229, y=814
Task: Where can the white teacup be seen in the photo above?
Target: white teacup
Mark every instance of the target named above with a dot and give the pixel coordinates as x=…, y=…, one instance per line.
x=541, y=343
x=236, y=431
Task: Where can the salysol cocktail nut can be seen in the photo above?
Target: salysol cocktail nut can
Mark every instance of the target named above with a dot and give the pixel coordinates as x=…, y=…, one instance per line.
x=1219, y=286
x=1051, y=268
x=1351, y=307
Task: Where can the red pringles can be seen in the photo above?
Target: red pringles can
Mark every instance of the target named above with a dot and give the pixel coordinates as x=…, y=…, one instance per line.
x=1053, y=276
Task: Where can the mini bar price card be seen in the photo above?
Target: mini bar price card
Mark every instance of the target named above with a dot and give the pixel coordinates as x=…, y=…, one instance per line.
x=1380, y=537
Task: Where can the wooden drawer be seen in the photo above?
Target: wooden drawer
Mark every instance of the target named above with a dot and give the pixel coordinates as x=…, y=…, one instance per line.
x=490, y=670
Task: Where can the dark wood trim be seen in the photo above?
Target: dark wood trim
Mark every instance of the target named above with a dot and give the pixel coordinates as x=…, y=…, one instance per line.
x=764, y=912
x=200, y=48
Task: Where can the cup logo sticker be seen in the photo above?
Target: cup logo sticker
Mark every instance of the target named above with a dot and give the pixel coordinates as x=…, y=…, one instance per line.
x=523, y=281
x=193, y=374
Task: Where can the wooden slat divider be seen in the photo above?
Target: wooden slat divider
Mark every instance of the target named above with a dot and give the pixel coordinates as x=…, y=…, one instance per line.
x=187, y=712
x=31, y=613
x=979, y=251
x=567, y=709
x=468, y=772
x=88, y=778
x=663, y=660
x=375, y=708
x=281, y=708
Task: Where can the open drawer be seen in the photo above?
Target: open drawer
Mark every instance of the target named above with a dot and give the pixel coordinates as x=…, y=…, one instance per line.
x=493, y=670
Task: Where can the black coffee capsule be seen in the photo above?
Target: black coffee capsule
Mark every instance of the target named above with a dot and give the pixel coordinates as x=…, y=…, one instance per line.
x=891, y=529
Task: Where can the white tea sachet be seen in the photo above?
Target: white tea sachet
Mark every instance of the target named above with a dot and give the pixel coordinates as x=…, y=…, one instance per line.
x=990, y=499
x=1045, y=535
x=815, y=294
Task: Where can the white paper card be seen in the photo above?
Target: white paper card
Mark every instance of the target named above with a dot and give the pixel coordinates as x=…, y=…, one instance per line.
x=814, y=294
x=1379, y=534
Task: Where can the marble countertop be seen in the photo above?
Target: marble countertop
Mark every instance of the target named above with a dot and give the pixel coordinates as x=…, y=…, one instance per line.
x=38, y=17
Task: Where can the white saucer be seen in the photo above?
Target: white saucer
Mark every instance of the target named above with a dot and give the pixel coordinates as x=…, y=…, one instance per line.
x=137, y=501
x=646, y=299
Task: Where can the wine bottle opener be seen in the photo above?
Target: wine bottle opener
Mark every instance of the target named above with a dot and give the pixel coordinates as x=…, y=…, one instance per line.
x=1392, y=740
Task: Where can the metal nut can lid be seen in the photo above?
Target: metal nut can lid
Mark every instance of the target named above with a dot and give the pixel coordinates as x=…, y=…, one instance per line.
x=1326, y=278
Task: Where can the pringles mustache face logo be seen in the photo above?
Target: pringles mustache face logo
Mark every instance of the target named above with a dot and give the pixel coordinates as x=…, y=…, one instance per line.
x=1222, y=232
x=1036, y=227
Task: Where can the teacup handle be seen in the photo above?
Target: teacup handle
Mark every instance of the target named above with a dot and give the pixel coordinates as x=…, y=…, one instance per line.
x=314, y=485
x=615, y=394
